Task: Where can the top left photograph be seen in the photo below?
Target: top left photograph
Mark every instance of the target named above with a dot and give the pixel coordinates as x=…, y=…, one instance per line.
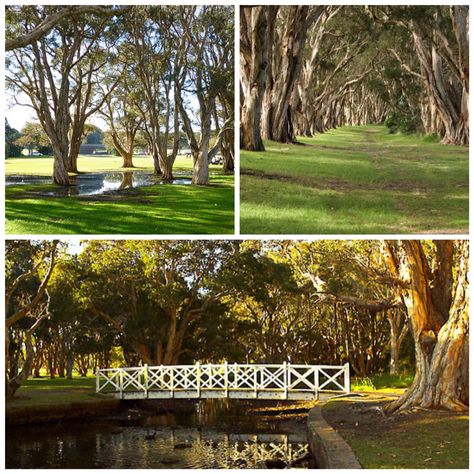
x=119, y=119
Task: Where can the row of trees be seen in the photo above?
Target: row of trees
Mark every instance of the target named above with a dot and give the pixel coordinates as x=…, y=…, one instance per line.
x=378, y=305
x=160, y=70
x=33, y=138
x=307, y=69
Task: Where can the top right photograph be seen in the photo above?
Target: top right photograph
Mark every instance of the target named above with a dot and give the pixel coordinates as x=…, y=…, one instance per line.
x=354, y=119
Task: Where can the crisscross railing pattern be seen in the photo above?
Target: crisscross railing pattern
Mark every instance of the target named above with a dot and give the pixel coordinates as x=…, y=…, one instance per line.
x=270, y=381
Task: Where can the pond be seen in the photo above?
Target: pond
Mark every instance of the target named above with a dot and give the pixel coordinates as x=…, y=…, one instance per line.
x=90, y=184
x=211, y=436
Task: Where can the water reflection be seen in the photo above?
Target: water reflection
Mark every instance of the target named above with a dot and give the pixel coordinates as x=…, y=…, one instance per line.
x=162, y=441
x=91, y=184
x=132, y=447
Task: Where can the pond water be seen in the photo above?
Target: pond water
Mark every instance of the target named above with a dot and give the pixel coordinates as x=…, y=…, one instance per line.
x=205, y=438
x=90, y=184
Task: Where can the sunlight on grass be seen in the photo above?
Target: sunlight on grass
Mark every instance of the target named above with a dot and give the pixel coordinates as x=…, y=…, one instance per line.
x=43, y=165
x=157, y=209
x=355, y=180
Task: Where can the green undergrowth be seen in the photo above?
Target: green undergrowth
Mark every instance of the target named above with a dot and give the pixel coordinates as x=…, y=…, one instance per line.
x=382, y=382
x=355, y=180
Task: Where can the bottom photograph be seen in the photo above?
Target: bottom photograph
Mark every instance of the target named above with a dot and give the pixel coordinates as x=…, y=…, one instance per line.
x=231, y=354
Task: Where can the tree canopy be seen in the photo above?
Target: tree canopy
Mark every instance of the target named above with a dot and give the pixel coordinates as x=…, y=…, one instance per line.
x=307, y=69
x=157, y=70
x=379, y=305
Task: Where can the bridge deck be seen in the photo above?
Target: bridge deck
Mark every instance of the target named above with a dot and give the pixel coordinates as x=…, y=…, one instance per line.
x=238, y=381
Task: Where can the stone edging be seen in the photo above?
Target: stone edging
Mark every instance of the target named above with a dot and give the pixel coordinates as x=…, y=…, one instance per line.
x=327, y=446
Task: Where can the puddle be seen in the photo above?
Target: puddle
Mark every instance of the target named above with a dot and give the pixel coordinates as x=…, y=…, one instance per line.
x=91, y=184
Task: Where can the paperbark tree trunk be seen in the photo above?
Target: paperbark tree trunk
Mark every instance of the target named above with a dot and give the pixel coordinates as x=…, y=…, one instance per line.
x=16, y=382
x=398, y=331
x=254, y=59
x=439, y=323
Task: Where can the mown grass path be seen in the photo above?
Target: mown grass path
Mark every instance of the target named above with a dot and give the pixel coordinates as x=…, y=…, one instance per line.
x=355, y=180
x=157, y=209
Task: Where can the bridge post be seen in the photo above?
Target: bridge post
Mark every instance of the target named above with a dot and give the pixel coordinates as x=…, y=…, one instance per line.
x=316, y=383
x=255, y=380
x=97, y=383
x=145, y=377
x=121, y=382
x=172, y=381
x=285, y=378
x=198, y=378
x=226, y=379
x=347, y=378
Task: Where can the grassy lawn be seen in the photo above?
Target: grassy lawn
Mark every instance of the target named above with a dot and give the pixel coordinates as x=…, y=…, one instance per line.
x=157, y=209
x=355, y=180
x=45, y=391
x=43, y=165
x=420, y=439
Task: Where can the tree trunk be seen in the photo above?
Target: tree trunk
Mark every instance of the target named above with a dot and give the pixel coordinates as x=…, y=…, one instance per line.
x=254, y=51
x=60, y=174
x=16, y=382
x=156, y=161
x=201, y=161
x=441, y=340
x=73, y=155
x=127, y=160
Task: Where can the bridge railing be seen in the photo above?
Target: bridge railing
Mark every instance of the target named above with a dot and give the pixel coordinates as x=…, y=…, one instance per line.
x=208, y=380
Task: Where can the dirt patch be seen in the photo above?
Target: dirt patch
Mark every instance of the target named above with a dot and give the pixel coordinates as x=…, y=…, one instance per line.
x=366, y=419
x=338, y=184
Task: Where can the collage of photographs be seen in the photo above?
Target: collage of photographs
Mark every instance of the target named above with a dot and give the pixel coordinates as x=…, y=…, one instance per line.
x=235, y=236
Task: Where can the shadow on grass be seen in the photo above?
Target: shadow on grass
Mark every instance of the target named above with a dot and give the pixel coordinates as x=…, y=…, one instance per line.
x=155, y=210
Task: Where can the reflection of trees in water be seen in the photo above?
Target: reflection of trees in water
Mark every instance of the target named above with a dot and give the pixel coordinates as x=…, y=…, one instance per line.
x=127, y=180
x=73, y=188
x=227, y=450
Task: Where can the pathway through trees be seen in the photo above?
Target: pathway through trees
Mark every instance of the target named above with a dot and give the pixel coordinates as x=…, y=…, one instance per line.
x=308, y=69
x=355, y=180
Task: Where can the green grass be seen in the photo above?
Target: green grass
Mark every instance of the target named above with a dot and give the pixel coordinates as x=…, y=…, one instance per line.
x=420, y=440
x=157, y=209
x=43, y=165
x=381, y=382
x=58, y=391
x=355, y=180
x=439, y=444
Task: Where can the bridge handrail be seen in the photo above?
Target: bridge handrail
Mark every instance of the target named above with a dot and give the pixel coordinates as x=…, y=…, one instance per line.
x=226, y=377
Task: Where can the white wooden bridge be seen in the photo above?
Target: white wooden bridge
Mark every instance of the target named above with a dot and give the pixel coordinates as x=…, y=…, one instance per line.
x=258, y=381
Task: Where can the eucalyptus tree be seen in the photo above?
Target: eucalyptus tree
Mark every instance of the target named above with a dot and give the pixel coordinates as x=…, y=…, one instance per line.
x=123, y=116
x=32, y=136
x=28, y=269
x=208, y=32
x=158, y=57
x=152, y=293
x=432, y=282
x=321, y=68
x=57, y=72
x=255, y=22
x=16, y=39
x=439, y=36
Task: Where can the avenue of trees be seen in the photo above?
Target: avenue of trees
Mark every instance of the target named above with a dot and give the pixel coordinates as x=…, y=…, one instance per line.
x=382, y=306
x=307, y=69
x=151, y=71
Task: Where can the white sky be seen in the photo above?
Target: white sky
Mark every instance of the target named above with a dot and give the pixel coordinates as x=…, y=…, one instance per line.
x=18, y=115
